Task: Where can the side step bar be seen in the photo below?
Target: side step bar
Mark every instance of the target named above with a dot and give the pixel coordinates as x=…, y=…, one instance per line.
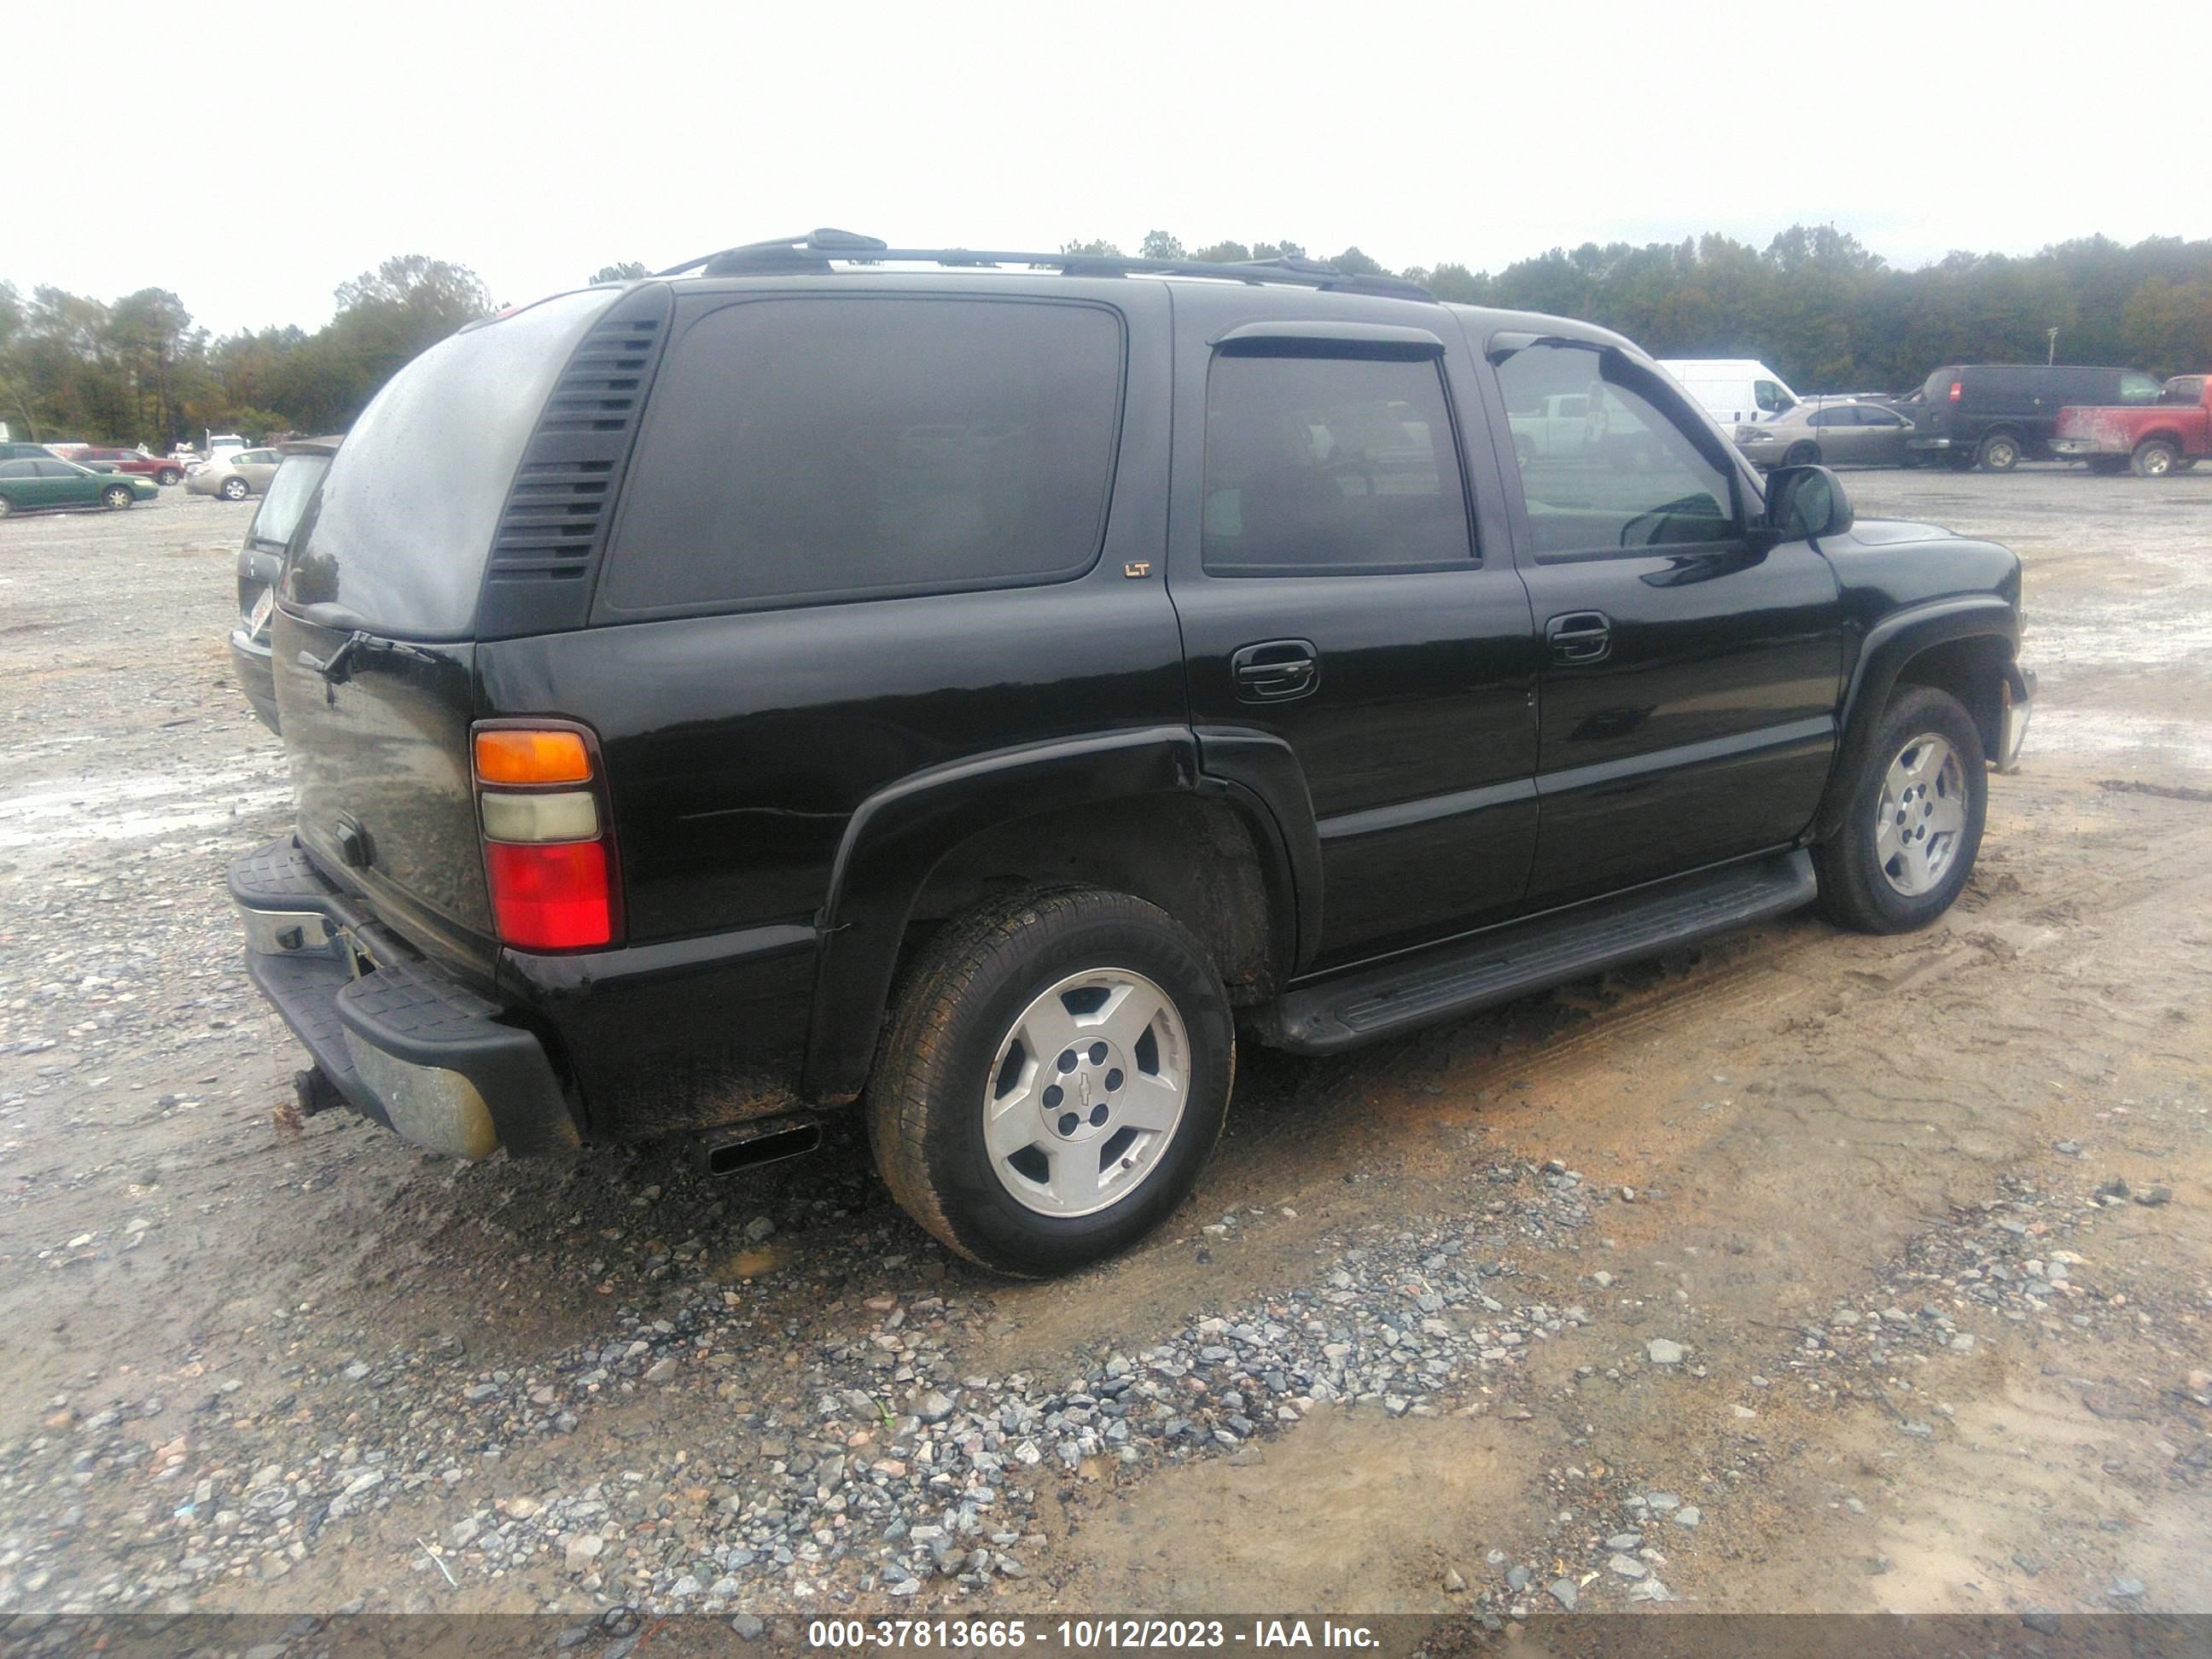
x=1449, y=980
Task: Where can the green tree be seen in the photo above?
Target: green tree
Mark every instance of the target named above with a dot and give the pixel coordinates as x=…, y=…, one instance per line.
x=1159, y=245
x=1104, y=249
x=627, y=272
x=1223, y=253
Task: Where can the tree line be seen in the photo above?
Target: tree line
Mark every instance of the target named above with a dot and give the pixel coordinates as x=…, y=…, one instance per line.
x=1827, y=311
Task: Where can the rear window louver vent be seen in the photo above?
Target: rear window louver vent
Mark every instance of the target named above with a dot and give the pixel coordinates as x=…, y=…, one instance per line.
x=554, y=523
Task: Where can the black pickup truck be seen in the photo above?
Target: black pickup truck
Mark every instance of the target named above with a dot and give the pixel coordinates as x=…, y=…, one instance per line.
x=986, y=686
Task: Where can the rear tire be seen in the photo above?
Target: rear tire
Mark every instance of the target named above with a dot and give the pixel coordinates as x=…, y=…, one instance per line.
x=116, y=498
x=234, y=490
x=6, y=506
x=1801, y=454
x=1912, y=825
x=2153, y=459
x=2000, y=452
x=972, y=1127
x=170, y=475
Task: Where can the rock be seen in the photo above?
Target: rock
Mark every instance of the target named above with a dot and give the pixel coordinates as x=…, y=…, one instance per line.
x=2154, y=1196
x=750, y=1626
x=1916, y=1429
x=1664, y=1353
x=1454, y=1584
x=2041, y=1621
x=1687, y=1516
x=584, y=1551
x=1651, y=1590
x=1517, y=1579
x=935, y=1407
x=1663, y=1501
x=1563, y=1591
x=660, y=1370
x=1627, y=1566
x=758, y=1228
x=2125, y=1590
x=1624, y=1541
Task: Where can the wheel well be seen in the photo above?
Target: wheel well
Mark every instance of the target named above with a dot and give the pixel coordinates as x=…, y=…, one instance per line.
x=1972, y=670
x=2172, y=439
x=2000, y=430
x=1193, y=857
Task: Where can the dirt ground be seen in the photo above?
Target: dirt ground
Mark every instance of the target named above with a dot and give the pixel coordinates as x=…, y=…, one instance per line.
x=1926, y=1356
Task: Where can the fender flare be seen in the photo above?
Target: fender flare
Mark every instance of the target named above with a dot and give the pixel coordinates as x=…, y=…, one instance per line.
x=1890, y=644
x=1260, y=774
x=898, y=836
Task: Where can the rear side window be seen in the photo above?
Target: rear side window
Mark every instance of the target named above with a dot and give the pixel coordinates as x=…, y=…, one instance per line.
x=1321, y=464
x=2138, y=388
x=811, y=449
x=289, y=493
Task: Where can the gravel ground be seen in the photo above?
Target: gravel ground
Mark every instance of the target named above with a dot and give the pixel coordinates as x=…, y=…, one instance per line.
x=1788, y=1273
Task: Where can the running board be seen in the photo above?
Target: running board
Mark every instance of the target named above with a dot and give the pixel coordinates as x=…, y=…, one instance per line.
x=1449, y=980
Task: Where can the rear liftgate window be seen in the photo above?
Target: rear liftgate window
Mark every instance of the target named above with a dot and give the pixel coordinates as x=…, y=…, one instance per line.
x=817, y=449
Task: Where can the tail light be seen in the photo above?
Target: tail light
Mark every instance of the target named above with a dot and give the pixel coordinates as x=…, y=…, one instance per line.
x=548, y=840
x=1955, y=386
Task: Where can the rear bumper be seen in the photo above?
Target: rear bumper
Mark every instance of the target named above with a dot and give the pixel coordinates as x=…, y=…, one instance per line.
x=403, y=1043
x=257, y=676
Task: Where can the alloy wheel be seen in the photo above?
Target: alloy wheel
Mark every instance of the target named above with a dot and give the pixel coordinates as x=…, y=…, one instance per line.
x=1922, y=813
x=1086, y=1092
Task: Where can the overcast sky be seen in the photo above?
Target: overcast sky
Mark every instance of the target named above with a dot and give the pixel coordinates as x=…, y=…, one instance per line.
x=252, y=158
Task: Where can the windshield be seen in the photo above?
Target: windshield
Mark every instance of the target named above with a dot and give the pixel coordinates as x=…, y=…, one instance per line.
x=397, y=538
x=289, y=493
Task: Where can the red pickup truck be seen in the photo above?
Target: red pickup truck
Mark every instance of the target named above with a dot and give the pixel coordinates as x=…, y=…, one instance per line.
x=2171, y=436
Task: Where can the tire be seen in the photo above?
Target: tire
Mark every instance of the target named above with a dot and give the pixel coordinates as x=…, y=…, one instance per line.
x=169, y=475
x=1926, y=742
x=1801, y=454
x=2000, y=452
x=1014, y=977
x=2153, y=459
x=234, y=490
x=116, y=498
x=6, y=506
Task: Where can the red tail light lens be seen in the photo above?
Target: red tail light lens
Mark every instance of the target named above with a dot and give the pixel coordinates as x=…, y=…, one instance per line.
x=550, y=897
x=1955, y=386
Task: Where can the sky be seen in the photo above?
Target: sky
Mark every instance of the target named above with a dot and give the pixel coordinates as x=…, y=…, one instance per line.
x=268, y=154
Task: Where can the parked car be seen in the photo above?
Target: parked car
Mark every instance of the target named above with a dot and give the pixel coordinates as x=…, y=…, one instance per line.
x=1832, y=434
x=2151, y=440
x=159, y=468
x=56, y=485
x=1995, y=415
x=260, y=561
x=976, y=696
x=236, y=475
x=1733, y=391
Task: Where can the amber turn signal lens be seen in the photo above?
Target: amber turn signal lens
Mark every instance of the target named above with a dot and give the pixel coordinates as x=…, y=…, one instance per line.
x=517, y=755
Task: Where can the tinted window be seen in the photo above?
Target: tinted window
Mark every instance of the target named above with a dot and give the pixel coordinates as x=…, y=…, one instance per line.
x=1772, y=398
x=1328, y=463
x=1869, y=417
x=2138, y=388
x=1636, y=480
x=287, y=499
x=801, y=449
x=19, y=470
x=1832, y=417
x=398, y=537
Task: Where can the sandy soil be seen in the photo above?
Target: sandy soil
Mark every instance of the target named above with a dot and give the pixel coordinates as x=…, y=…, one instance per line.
x=1784, y=1138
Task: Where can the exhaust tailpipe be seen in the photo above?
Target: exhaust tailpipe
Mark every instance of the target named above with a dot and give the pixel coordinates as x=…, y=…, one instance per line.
x=748, y=1145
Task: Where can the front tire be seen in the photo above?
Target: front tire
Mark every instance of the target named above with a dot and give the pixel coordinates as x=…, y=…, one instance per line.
x=170, y=475
x=1052, y=1079
x=115, y=498
x=2000, y=452
x=1913, y=823
x=234, y=490
x=2154, y=459
x=1801, y=454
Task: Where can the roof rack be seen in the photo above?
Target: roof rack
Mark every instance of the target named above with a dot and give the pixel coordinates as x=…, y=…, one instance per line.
x=814, y=251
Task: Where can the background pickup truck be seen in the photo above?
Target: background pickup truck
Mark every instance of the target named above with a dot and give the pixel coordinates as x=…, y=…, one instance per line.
x=2151, y=440
x=1556, y=426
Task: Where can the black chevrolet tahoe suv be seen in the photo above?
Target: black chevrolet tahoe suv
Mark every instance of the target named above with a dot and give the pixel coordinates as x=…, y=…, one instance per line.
x=985, y=687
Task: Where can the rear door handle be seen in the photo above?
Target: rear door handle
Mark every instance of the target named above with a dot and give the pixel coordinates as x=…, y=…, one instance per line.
x=1581, y=637
x=1275, y=671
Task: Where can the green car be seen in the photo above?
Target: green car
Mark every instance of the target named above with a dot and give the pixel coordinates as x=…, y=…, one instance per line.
x=55, y=485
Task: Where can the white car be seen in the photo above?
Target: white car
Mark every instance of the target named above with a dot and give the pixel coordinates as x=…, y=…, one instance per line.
x=235, y=474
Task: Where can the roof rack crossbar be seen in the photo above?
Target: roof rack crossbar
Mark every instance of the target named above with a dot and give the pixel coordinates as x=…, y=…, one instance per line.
x=814, y=251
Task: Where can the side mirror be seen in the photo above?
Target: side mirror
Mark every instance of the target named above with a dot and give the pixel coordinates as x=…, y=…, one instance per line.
x=1805, y=503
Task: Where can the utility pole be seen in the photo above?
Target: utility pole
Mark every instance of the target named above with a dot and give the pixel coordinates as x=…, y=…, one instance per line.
x=2051, y=356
